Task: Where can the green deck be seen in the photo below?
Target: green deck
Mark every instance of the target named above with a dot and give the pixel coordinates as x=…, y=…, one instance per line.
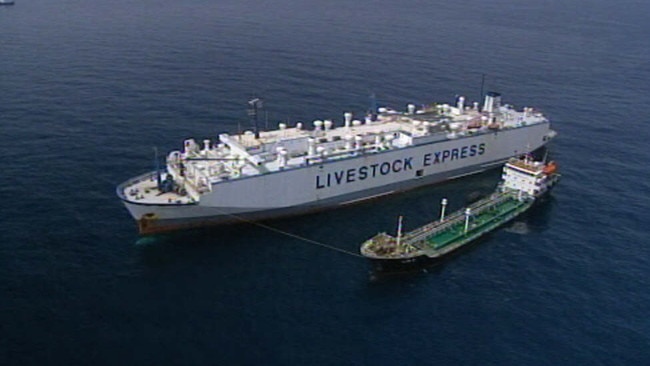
x=479, y=223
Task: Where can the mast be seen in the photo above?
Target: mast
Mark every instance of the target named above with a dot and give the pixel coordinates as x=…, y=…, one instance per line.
x=156, y=164
x=399, y=231
x=372, y=112
x=255, y=105
x=443, y=203
x=482, y=86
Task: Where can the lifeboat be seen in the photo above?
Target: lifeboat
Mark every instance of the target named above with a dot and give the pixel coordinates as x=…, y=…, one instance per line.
x=550, y=168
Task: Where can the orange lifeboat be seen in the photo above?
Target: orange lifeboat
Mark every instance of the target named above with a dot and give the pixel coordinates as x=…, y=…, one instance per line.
x=550, y=168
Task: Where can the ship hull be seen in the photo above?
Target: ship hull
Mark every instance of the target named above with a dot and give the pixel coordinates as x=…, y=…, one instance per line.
x=155, y=219
x=335, y=183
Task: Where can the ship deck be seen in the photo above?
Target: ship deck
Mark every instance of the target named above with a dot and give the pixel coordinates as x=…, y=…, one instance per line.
x=144, y=189
x=483, y=221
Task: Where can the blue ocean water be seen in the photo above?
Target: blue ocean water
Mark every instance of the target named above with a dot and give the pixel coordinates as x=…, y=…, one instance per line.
x=89, y=88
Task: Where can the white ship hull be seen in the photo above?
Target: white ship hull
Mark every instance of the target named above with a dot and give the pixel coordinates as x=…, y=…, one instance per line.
x=329, y=184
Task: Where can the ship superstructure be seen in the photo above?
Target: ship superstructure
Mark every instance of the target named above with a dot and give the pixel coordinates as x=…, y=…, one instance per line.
x=295, y=169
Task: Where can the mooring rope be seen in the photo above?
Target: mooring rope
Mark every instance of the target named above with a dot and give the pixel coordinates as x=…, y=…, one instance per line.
x=295, y=236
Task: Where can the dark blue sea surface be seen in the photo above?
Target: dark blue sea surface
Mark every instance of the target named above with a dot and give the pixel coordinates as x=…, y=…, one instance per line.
x=88, y=88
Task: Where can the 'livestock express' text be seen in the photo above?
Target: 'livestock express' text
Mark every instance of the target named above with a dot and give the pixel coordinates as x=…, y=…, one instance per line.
x=399, y=165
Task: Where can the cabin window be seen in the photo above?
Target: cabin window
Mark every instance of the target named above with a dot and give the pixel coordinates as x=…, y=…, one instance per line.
x=419, y=173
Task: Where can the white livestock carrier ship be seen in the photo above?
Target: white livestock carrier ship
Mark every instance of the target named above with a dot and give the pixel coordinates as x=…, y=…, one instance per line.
x=294, y=170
